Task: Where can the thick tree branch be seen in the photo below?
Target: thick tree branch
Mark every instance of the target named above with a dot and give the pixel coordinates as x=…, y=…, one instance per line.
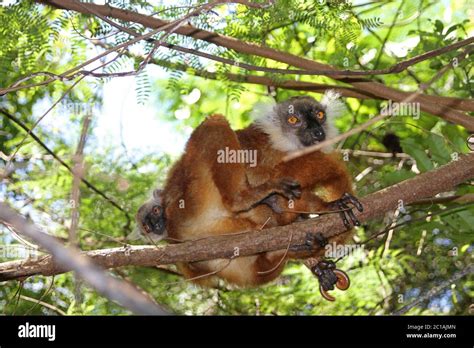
x=253, y=242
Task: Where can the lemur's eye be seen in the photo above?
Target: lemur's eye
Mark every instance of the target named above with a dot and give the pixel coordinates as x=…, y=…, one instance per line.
x=293, y=119
x=320, y=115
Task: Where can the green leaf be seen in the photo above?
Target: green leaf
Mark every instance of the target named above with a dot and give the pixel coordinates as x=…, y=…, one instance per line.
x=397, y=176
x=436, y=64
x=452, y=28
x=438, y=149
x=417, y=151
x=439, y=26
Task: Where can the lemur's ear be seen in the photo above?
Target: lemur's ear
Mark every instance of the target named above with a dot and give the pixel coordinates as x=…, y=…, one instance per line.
x=332, y=103
x=158, y=195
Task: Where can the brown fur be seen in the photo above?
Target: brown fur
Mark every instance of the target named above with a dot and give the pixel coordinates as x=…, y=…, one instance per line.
x=222, y=198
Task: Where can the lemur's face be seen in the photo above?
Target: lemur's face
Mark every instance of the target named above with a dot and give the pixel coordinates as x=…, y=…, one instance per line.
x=303, y=118
x=300, y=121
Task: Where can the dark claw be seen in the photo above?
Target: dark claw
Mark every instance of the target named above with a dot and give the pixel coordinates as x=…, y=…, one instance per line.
x=353, y=218
x=346, y=212
x=355, y=202
x=343, y=216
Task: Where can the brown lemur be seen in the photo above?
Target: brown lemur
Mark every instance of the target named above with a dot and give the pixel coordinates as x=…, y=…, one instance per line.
x=206, y=196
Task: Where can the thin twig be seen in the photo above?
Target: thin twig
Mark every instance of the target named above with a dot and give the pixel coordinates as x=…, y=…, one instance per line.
x=64, y=164
x=44, y=304
x=436, y=290
x=283, y=258
x=39, y=301
x=18, y=147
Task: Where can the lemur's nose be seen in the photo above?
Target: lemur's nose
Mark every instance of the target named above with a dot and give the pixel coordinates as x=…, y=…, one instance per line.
x=318, y=134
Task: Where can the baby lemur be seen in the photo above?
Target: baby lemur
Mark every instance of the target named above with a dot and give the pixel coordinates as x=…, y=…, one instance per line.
x=205, y=195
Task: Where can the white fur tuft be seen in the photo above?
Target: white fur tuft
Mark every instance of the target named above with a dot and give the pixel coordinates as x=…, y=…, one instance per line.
x=333, y=104
x=334, y=108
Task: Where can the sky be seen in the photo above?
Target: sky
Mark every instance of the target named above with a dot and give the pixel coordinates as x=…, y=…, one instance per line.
x=142, y=130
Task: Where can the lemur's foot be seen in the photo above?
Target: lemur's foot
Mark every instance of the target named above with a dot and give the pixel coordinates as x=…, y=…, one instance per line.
x=328, y=276
x=151, y=216
x=346, y=212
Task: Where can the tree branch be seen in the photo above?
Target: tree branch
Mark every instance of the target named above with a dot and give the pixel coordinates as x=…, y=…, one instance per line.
x=249, y=243
x=352, y=92
x=169, y=27
x=375, y=88
x=72, y=259
x=436, y=290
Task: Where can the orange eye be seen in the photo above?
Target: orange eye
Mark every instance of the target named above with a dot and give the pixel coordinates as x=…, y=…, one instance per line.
x=293, y=119
x=320, y=115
